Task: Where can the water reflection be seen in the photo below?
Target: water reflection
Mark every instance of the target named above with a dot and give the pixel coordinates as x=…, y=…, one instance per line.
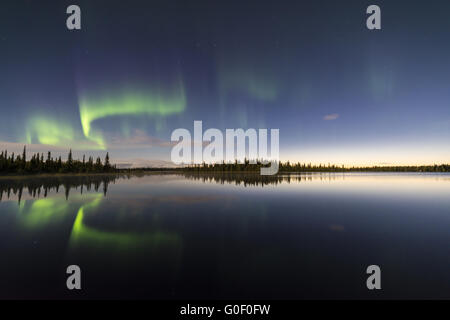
x=42, y=212
x=186, y=236
x=98, y=236
x=44, y=207
x=255, y=179
x=39, y=186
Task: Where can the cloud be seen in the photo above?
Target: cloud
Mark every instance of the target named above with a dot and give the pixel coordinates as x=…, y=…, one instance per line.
x=143, y=163
x=138, y=139
x=337, y=227
x=17, y=147
x=330, y=117
x=384, y=163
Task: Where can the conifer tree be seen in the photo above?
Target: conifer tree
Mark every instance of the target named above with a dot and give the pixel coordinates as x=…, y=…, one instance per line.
x=107, y=164
x=24, y=157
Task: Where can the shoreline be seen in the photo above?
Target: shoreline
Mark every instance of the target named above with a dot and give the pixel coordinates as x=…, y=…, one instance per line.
x=155, y=172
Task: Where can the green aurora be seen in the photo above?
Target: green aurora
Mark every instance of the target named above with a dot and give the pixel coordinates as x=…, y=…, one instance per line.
x=129, y=102
x=48, y=130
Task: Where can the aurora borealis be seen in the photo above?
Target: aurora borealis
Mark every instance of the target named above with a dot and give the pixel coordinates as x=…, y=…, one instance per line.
x=128, y=103
x=138, y=70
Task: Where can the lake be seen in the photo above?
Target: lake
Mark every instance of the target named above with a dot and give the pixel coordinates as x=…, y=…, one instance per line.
x=225, y=236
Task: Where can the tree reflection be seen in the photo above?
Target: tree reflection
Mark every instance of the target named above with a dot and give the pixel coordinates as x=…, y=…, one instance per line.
x=37, y=187
x=250, y=180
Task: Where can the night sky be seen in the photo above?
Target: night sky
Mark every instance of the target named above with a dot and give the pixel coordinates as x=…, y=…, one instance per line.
x=137, y=70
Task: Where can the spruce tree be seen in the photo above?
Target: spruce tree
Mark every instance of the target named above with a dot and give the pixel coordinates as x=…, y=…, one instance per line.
x=107, y=164
x=24, y=157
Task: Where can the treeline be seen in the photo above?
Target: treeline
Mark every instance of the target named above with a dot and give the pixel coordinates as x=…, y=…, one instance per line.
x=19, y=164
x=247, y=166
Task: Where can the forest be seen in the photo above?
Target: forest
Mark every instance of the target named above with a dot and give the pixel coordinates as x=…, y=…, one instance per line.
x=11, y=164
x=37, y=164
x=248, y=166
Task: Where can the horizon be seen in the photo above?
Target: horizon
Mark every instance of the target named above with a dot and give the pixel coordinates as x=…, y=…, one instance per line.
x=340, y=94
x=145, y=163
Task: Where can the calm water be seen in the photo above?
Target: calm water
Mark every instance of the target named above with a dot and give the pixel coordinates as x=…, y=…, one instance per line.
x=226, y=236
